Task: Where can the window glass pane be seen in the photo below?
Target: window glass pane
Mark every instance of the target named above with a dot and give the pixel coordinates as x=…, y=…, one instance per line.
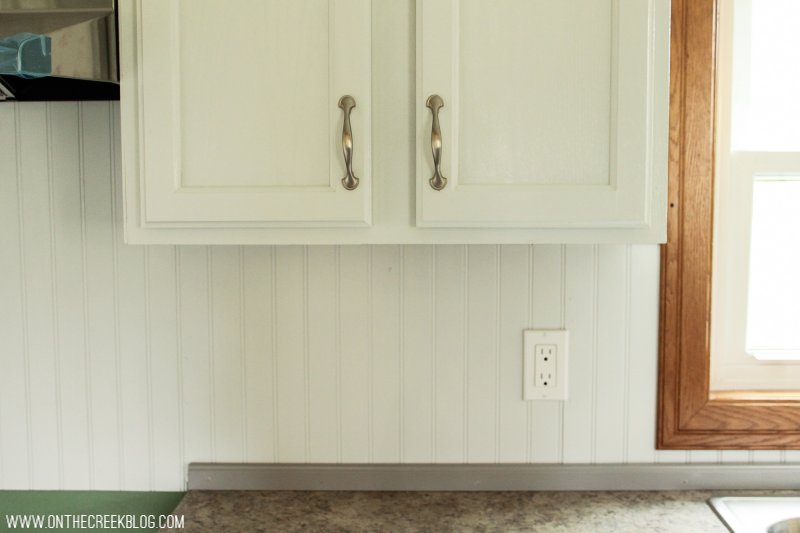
x=766, y=75
x=773, y=311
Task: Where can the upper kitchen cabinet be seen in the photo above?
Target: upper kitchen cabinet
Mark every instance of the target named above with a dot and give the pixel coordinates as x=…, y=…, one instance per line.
x=246, y=113
x=394, y=122
x=543, y=114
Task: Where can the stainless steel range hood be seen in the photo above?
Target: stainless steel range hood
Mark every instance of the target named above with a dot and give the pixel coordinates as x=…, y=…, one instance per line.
x=58, y=50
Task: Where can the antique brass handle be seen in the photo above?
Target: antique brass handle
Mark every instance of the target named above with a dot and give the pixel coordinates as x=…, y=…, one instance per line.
x=438, y=181
x=346, y=104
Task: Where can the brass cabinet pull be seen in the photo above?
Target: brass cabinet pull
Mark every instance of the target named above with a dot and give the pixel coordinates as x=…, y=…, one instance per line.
x=438, y=181
x=346, y=104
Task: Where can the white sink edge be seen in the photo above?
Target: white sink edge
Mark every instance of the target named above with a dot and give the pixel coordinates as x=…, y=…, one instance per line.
x=754, y=514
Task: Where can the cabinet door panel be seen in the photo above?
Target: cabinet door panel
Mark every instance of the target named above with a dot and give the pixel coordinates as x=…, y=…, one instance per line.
x=540, y=118
x=555, y=113
x=277, y=116
x=238, y=106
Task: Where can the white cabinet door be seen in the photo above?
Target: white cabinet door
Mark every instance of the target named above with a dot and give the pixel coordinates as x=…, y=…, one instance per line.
x=231, y=112
x=554, y=116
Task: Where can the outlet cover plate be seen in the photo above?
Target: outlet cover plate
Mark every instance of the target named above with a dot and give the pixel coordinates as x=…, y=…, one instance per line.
x=545, y=337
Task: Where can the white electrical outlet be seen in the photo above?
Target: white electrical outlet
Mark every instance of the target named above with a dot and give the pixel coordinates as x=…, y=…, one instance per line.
x=545, y=364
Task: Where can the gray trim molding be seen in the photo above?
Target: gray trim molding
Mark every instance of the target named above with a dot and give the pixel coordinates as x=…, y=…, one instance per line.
x=491, y=477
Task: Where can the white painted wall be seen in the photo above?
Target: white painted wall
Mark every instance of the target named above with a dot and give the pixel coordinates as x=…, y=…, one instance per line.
x=121, y=364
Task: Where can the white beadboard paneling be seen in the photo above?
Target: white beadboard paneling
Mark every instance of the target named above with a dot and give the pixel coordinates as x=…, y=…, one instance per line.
x=450, y=354
x=291, y=346
x=792, y=456
x=355, y=332
x=121, y=364
x=322, y=354
x=709, y=456
x=162, y=365
x=225, y=271
x=15, y=416
x=580, y=429
x=386, y=350
x=418, y=370
x=611, y=354
x=546, y=302
x=195, y=353
x=259, y=357
x=99, y=179
x=135, y=377
x=68, y=248
x=764, y=456
x=41, y=350
x=482, y=357
x=642, y=369
x=734, y=456
x=513, y=303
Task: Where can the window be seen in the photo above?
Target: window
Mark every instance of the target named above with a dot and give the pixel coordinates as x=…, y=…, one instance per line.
x=691, y=415
x=755, y=342
x=773, y=292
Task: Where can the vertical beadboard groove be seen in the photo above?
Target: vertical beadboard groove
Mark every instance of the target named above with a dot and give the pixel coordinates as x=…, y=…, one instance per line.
x=3, y=454
x=59, y=391
x=627, y=357
x=242, y=357
x=435, y=359
x=306, y=362
x=498, y=266
x=212, y=403
x=13, y=444
x=401, y=352
x=465, y=392
x=2, y=423
x=26, y=353
x=338, y=347
x=274, y=339
x=563, y=324
x=529, y=324
x=434, y=396
x=179, y=356
x=595, y=344
x=87, y=342
x=371, y=359
x=116, y=216
x=148, y=360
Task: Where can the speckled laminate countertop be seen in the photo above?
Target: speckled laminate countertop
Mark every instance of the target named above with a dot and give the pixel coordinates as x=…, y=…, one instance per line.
x=542, y=512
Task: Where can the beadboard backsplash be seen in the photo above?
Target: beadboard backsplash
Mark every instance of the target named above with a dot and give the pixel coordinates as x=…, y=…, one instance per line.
x=121, y=364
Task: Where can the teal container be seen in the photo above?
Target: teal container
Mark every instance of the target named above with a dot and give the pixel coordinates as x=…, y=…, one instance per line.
x=26, y=55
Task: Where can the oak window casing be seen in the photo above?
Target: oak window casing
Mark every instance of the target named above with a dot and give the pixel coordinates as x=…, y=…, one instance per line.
x=690, y=416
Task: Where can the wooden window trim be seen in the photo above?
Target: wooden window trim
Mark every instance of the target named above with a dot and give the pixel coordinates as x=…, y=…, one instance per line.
x=689, y=415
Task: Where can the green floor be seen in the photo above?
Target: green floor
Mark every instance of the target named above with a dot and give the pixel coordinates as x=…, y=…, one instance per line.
x=55, y=505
